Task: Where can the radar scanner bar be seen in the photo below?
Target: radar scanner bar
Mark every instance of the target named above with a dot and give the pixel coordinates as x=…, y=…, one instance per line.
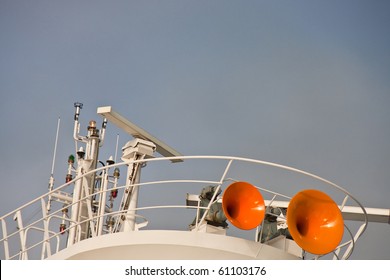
x=138, y=132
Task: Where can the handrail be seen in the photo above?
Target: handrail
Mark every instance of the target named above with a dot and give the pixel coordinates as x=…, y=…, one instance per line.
x=94, y=217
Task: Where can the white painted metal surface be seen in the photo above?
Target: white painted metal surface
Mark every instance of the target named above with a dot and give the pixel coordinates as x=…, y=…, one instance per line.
x=156, y=245
x=96, y=213
x=48, y=222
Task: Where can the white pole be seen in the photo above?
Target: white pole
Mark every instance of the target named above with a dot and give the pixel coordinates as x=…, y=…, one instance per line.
x=51, y=180
x=55, y=146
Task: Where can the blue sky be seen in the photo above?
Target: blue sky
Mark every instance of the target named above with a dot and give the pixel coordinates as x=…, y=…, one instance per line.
x=301, y=83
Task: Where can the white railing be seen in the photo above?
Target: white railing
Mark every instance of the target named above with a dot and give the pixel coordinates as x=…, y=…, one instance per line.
x=47, y=234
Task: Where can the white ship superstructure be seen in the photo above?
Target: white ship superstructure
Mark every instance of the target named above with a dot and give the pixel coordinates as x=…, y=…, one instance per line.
x=112, y=210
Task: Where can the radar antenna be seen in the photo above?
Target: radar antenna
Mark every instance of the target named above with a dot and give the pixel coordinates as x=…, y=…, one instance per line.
x=138, y=132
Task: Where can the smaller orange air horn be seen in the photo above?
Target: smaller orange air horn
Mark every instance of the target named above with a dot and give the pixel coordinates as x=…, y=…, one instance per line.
x=243, y=205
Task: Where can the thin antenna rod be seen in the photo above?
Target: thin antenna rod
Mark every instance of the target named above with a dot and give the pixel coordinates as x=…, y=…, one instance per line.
x=116, y=148
x=55, y=146
x=51, y=179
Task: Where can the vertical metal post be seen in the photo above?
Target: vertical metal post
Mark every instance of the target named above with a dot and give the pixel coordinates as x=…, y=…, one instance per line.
x=5, y=236
x=75, y=208
x=46, y=243
x=22, y=236
x=133, y=201
x=102, y=202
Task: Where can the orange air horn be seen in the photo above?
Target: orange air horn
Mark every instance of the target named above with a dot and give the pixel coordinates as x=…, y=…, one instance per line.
x=315, y=222
x=243, y=205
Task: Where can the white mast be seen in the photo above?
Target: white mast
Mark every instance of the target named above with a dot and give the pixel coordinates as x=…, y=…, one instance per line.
x=87, y=161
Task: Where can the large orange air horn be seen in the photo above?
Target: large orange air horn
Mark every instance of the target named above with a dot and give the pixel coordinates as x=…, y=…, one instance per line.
x=243, y=205
x=315, y=222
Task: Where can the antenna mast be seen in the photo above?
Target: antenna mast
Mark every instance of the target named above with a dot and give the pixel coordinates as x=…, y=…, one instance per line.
x=55, y=145
x=51, y=180
x=116, y=147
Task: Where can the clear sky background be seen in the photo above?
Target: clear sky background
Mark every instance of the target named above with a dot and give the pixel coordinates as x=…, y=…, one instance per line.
x=301, y=83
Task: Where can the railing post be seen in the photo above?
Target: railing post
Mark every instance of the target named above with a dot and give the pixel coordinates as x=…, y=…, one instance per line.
x=215, y=193
x=133, y=179
x=75, y=209
x=88, y=224
x=22, y=236
x=102, y=203
x=46, y=243
x=5, y=236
